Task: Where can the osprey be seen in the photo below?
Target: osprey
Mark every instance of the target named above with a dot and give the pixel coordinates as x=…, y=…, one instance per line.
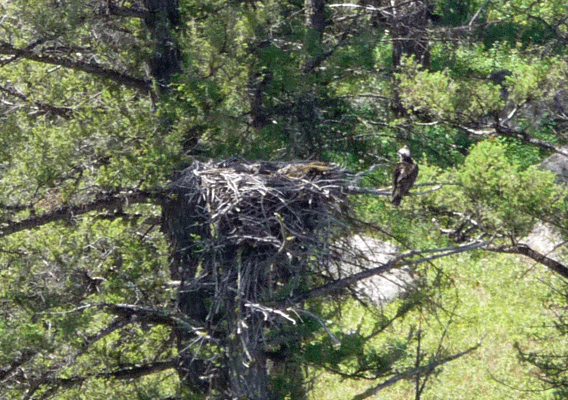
x=405, y=173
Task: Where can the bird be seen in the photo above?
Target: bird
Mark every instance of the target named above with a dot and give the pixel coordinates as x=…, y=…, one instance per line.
x=405, y=173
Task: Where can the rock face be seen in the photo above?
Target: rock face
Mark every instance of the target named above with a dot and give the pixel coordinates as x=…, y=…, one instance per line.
x=558, y=163
x=383, y=288
x=545, y=238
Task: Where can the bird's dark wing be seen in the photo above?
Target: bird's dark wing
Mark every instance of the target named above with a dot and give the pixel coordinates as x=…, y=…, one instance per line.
x=412, y=174
x=398, y=173
x=403, y=178
x=396, y=179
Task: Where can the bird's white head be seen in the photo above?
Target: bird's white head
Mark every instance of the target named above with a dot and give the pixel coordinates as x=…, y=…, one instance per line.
x=404, y=152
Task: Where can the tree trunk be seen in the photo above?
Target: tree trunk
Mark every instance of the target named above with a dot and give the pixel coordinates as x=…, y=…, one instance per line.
x=162, y=17
x=407, y=22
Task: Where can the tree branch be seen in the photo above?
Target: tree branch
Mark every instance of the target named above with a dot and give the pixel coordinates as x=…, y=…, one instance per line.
x=109, y=201
x=153, y=316
x=402, y=259
x=45, y=108
x=123, y=373
x=87, y=67
x=24, y=357
x=388, y=190
x=132, y=12
x=504, y=131
x=535, y=255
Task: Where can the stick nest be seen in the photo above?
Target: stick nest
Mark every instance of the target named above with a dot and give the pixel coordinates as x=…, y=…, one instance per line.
x=287, y=209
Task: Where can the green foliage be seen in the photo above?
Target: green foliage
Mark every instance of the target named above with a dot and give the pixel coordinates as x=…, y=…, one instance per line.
x=454, y=12
x=527, y=24
x=443, y=97
x=506, y=197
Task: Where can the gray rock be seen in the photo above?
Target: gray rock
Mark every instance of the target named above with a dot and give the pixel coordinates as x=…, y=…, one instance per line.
x=545, y=238
x=372, y=253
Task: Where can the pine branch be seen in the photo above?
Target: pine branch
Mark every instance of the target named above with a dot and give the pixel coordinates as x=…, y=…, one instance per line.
x=108, y=201
x=87, y=67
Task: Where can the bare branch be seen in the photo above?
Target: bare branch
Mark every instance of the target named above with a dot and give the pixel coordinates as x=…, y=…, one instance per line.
x=388, y=190
x=400, y=260
x=478, y=12
x=504, y=131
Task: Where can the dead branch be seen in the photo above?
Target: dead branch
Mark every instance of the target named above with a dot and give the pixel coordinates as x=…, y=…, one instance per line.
x=400, y=260
x=388, y=190
x=520, y=135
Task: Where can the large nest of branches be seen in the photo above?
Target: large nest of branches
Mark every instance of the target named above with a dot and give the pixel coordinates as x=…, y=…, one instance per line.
x=246, y=239
x=283, y=213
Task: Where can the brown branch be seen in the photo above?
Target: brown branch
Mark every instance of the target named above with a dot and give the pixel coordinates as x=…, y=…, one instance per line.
x=535, y=255
x=141, y=370
x=110, y=201
x=153, y=316
x=118, y=323
x=132, y=12
x=87, y=67
x=45, y=108
x=124, y=373
x=24, y=357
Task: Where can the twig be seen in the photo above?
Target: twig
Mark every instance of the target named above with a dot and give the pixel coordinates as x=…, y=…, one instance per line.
x=478, y=12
